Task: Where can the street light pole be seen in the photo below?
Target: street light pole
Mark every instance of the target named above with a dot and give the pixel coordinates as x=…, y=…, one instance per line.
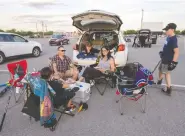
x=43, y=29
x=142, y=18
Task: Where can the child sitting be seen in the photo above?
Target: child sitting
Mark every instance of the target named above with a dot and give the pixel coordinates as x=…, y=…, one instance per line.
x=62, y=97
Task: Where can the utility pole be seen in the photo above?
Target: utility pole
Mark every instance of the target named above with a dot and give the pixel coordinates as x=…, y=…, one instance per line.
x=42, y=29
x=36, y=28
x=142, y=18
x=46, y=27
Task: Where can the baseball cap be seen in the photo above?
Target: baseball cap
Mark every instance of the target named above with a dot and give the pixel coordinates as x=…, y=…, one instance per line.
x=170, y=26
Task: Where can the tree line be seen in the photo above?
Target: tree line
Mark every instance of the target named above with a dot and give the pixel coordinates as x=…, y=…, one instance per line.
x=178, y=32
x=26, y=33
x=29, y=33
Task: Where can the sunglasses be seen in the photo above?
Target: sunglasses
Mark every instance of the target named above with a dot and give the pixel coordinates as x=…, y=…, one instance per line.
x=62, y=50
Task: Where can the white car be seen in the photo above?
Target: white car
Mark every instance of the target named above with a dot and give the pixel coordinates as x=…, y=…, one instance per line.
x=15, y=45
x=101, y=26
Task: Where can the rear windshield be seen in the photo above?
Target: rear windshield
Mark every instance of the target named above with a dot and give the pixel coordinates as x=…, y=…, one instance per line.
x=57, y=36
x=99, y=39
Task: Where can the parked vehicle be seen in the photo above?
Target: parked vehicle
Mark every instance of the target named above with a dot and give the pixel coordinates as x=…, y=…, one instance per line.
x=101, y=26
x=154, y=38
x=58, y=39
x=145, y=39
x=15, y=45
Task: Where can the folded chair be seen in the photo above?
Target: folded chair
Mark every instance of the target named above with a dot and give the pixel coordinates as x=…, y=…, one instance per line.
x=17, y=72
x=134, y=87
x=39, y=104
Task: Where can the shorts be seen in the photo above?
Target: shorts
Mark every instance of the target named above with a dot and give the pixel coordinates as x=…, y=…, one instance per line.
x=163, y=68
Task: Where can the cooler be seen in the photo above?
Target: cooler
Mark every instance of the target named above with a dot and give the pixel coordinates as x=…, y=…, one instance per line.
x=83, y=93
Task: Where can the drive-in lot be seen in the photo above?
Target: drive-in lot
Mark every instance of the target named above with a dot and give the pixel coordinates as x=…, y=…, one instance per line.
x=164, y=115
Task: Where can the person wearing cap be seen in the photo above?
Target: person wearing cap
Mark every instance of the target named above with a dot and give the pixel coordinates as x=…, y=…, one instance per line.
x=169, y=57
x=62, y=66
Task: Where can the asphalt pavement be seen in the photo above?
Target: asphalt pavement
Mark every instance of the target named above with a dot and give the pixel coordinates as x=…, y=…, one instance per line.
x=164, y=115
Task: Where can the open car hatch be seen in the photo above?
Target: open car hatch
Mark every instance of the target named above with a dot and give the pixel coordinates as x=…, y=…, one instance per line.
x=97, y=20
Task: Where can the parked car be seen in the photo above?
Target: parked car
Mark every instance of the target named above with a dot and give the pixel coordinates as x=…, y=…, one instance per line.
x=15, y=45
x=34, y=36
x=154, y=38
x=104, y=25
x=58, y=39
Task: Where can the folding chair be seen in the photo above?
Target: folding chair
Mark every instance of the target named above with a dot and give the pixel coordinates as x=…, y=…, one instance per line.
x=17, y=71
x=134, y=89
x=107, y=79
x=34, y=89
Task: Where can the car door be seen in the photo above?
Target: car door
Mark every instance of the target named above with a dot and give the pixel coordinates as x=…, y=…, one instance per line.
x=20, y=45
x=6, y=45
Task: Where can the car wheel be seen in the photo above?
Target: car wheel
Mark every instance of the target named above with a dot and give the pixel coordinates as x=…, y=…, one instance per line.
x=150, y=45
x=36, y=52
x=2, y=58
x=61, y=43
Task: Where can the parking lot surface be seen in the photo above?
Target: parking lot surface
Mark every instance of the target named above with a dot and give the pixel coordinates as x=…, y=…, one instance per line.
x=164, y=115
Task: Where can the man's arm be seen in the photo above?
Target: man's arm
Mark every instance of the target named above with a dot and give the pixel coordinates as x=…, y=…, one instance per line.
x=176, y=54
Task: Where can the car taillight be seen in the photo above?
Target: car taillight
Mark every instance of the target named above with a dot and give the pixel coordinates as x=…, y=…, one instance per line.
x=121, y=47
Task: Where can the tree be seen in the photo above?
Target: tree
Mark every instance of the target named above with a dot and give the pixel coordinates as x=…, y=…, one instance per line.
x=11, y=31
x=183, y=32
x=130, y=32
x=178, y=32
x=29, y=33
x=1, y=30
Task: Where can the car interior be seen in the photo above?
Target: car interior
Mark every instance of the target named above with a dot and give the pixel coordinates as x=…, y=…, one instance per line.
x=99, y=39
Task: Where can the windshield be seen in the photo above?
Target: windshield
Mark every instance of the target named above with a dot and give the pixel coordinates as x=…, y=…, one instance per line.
x=57, y=36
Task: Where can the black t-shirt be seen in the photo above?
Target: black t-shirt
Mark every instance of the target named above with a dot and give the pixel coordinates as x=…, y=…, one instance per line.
x=57, y=87
x=168, y=49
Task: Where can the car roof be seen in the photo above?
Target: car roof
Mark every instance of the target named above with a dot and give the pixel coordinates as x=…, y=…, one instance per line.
x=7, y=33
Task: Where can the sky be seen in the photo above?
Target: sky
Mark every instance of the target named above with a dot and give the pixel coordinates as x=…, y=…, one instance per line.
x=56, y=14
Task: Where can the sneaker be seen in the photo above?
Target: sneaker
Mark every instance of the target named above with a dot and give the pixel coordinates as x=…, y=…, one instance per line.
x=92, y=83
x=69, y=110
x=167, y=91
x=159, y=82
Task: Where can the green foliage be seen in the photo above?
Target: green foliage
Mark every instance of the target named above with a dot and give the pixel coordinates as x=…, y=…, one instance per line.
x=183, y=32
x=178, y=32
x=130, y=32
x=26, y=33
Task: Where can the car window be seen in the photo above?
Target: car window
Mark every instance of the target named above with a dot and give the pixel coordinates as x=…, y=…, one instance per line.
x=5, y=38
x=17, y=38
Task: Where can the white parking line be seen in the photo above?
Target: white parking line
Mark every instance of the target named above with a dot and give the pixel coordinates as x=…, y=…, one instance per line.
x=173, y=85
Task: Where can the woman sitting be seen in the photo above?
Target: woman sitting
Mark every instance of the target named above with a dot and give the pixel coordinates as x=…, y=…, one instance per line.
x=63, y=97
x=106, y=62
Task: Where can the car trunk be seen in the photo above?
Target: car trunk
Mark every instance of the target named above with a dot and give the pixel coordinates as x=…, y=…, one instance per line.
x=96, y=20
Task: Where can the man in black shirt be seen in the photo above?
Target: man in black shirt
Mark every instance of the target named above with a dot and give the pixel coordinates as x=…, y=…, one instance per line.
x=169, y=57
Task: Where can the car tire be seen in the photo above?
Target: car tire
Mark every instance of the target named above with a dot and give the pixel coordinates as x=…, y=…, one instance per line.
x=2, y=57
x=36, y=52
x=61, y=43
x=150, y=46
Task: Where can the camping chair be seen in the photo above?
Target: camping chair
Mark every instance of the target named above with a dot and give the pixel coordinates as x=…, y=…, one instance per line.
x=34, y=95
x=17, y=72
x=107, y=79
x=134, y=89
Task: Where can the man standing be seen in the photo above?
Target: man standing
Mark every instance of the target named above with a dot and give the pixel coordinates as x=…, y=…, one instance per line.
x=62, y=65
x=169, y=57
